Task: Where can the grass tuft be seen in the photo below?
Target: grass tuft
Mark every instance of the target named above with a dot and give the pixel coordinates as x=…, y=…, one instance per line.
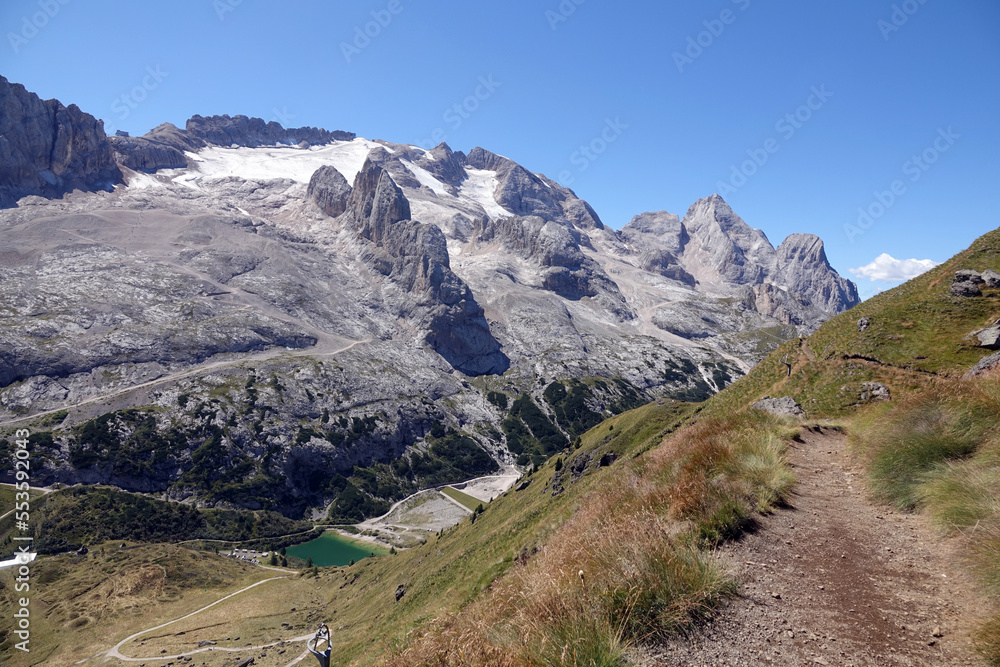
x=987, y=639
x=920, y=439
x=939, y=451
x=633, y=561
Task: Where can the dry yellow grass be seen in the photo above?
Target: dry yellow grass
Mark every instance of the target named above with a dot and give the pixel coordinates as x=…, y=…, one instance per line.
x=630, y=563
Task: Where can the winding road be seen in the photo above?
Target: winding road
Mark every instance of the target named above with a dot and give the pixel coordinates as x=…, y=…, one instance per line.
x=115, y=651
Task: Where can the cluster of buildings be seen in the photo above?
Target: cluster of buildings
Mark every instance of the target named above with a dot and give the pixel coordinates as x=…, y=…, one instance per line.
x=249, y=555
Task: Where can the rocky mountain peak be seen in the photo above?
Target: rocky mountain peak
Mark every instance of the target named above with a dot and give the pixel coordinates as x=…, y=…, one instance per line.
x=376, y=202
x=170, y=134
x=252, y=132
x=49, y=149
x=665, y=229
x=446, y=165
x=807, y=249
x=805, y=269
x=723, y=248
x=330, y=190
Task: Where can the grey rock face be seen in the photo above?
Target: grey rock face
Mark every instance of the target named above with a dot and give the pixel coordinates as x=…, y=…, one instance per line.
x=991, y=278
x=803, y=267
x=864, y=323
x=665, y=264
x=724, y=247
x=376, y=203
x=875, y=391
x=447, y=165
x=171, y=135
x=967, y=289
x=985, y=365
x=665, y=228
x=526, y=194
x=968, y=276
x=780, y=407
x=330, y=190
x=566, y=270
x=712, y=246
x=48, y=149
x=252, y=132
x=141, y=154
x=415, y=256
x=989, y=337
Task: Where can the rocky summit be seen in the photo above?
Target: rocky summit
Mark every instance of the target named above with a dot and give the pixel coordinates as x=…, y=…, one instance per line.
x=246, y=315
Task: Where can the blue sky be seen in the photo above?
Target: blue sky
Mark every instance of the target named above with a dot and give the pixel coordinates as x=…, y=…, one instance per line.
x=671, y=100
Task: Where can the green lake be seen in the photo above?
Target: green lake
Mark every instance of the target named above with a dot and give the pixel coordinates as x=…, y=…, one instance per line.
x=332, y=548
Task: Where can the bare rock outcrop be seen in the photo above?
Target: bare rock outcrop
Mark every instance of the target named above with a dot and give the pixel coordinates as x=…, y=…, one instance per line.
x=713, y=247
x=171, y=135
x=526, y=194
x=252, y=132
x=447, y=165
x=780, y=407
x=49, y=149
x=875, y=391
x=805, y=270
x=330, y=190
x=146, y=155
x=415, y=257
x=555, y=249
x=985, y=365
x=966, y=284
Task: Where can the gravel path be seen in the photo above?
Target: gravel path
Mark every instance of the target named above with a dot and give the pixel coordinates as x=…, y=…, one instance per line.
x=836, y=580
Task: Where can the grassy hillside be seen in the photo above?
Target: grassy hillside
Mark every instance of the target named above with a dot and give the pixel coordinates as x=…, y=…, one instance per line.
x=916, y=339
x=80, y=602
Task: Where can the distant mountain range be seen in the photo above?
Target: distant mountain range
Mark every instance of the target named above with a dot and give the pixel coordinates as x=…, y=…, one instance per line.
x=261, y=316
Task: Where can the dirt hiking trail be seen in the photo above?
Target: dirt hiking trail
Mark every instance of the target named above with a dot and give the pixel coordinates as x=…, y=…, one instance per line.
x=835, y=579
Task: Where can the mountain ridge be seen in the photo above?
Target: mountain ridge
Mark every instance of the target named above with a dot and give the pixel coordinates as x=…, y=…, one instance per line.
x=331, y=302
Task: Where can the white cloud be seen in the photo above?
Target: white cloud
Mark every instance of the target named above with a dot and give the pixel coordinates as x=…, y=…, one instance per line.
x=886, y=267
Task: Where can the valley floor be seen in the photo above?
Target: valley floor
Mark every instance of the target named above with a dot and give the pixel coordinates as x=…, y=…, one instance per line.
x=836, y=580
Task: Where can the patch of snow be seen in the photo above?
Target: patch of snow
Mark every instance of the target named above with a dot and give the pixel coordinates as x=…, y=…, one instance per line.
x=275, y=162
x=430, y=212
x=426, y=178
x=479, y=187
x=142, y=181
x=454, y=248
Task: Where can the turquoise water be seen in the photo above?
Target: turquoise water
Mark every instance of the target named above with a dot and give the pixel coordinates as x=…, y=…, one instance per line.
x=331, y=548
